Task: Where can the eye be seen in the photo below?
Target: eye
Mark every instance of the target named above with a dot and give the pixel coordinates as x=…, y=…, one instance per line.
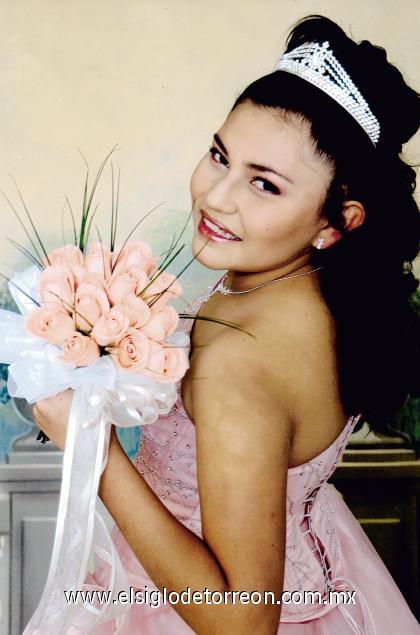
x=272, y=188
x=213, y=151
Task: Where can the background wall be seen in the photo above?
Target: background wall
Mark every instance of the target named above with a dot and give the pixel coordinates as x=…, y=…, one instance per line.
x=158, y=77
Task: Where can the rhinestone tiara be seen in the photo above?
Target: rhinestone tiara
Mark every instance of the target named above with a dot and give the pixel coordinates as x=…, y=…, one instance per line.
x=317, y=64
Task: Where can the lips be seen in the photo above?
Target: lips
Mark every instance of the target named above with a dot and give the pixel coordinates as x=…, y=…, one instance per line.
x=213, y=220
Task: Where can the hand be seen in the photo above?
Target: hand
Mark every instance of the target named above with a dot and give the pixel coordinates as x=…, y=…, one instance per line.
x=52, y=415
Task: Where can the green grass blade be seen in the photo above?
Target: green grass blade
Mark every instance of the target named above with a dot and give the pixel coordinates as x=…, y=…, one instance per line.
x=116, y=210
x=168, y=250
x=72, y=307
x=98, y=176
x=89, y=228
x=83, y=219
x=62, y=225
x=23, y=226
x=132, y=232
x=157, y=276
x=112, y=208
x=87, y=199
x=73, y=222
x=179, y=274
x=178, y=239
x=102, y=249
x=18, y=287
x=30, y=218
x=26, y=253
x=233, y=325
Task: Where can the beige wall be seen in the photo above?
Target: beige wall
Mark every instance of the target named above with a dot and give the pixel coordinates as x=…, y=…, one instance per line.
x=158, y=77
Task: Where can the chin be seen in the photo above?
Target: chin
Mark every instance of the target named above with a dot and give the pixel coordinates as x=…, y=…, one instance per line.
x=209, y=256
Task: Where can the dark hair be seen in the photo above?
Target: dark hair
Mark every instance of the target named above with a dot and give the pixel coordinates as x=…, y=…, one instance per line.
x=367, y=278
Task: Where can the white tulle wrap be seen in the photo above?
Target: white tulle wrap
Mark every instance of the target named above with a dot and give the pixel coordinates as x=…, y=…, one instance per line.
x=103, y=395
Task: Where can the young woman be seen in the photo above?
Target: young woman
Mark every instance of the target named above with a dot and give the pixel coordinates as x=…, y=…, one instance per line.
x=306, y=202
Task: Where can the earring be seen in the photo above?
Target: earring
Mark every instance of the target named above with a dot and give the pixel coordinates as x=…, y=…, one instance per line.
x=320, y=243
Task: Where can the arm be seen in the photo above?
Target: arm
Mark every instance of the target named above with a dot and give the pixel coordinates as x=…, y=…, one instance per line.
x=243, y=439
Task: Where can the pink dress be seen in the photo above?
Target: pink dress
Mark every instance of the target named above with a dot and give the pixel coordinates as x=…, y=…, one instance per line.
x=326, y=548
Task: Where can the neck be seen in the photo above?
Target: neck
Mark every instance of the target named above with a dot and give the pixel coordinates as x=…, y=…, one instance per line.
x=242, y=281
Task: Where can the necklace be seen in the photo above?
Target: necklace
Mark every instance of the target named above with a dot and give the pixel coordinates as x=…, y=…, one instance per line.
x=225, y=291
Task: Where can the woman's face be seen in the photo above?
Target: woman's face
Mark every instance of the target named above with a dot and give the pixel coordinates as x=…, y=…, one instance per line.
x=274, y=213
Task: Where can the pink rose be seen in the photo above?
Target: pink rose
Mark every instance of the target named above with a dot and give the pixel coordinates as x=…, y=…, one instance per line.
x=162, y=323
x=82, y=276
x=135, y=309
x=92, y=278
x=125, y=281
x=132, y=351
x=80, y=273
x=80, y=350
x=135, y=253
x=71, y=258
x=98, y=261
x=51, y=324
x=166, y=363
x=65, y=256
x=111, y=327
x=152, y=294
x=56, y=287
x=91, y=304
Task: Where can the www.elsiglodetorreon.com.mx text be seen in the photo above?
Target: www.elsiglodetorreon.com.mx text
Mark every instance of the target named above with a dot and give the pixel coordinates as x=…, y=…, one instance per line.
x=155, y=598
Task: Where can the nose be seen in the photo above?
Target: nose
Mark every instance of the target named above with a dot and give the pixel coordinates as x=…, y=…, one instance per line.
x=221, y=196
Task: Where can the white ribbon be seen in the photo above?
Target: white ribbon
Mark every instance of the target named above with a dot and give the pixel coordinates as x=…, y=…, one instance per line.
x=103, y=394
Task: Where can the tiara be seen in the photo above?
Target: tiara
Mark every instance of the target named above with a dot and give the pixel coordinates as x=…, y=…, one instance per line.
x=317, y=64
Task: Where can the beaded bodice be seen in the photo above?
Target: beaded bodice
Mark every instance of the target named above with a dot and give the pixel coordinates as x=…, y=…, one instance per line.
x=167, y=461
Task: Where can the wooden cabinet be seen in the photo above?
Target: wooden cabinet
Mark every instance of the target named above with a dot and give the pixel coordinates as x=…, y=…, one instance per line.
x=28, y=507
x=381, y=486
x=29, y=495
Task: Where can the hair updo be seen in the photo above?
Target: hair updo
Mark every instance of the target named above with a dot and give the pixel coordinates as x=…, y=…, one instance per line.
x=367, y=279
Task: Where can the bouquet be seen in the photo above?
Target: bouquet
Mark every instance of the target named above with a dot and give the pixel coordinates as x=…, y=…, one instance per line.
x=97, y=319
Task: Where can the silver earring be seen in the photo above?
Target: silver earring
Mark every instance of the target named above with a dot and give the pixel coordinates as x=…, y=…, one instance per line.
x=320, y=243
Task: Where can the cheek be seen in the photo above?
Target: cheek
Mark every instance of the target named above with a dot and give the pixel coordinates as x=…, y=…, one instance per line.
x=273, y=238
x=268, y=230
x=198, y=180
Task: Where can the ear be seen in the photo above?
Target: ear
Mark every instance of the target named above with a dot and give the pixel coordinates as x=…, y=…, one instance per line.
x=354, y=216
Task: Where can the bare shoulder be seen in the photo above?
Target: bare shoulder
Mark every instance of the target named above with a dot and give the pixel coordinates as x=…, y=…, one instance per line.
x=301, y=335
x=233, y=362
x=288, y=360
x=296, y=318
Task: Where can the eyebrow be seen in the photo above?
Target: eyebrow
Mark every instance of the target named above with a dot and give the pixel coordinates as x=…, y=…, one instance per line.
x=254, y=166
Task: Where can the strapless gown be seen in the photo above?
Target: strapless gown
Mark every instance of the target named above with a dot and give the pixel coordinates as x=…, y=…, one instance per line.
x=326, y=548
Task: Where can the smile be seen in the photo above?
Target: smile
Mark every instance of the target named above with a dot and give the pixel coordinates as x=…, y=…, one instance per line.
x=206, y=227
